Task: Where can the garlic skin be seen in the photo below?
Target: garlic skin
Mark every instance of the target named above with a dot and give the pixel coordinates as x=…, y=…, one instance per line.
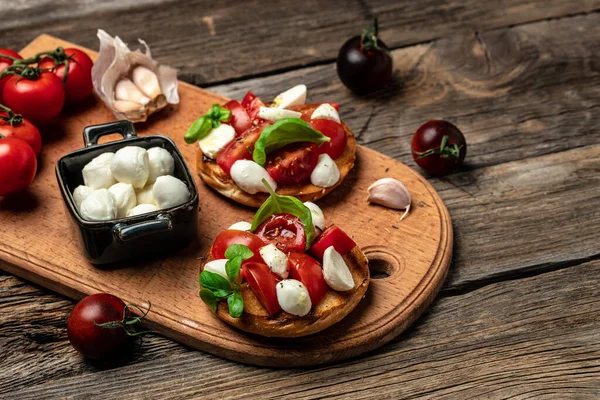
x=126, y=90
x=391, y=193
x=146, y=81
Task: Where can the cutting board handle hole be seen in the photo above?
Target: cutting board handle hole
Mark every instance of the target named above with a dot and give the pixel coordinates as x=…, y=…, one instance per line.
x=382, y=263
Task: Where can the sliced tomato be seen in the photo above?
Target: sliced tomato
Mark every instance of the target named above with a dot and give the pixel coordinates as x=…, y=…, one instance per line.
x=293, y=164
x=333, y=130
x=240, y=149
x=332, y=236
x=285, y=231
x=239, y=117
x=263, y=283
x=227, y=238
x=307, y=270
x=252, y=104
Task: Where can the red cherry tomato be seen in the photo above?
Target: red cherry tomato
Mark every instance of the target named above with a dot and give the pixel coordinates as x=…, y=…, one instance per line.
x=239, y=149
x=332, y=236
x=5, y=63
x=93, y=341
x=17, y=165
x=333, y=130
x=227, y=238
x=307, y=270
x=283, y=230
x=78, y=85
x=432, y=154
x=293, y=164
x=263, y=284
x=21, y=129
x=252, y=104
x=240, y=120
x=39, y=100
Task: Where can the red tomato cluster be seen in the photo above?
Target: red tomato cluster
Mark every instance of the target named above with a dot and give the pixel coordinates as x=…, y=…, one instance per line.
x=287, y=233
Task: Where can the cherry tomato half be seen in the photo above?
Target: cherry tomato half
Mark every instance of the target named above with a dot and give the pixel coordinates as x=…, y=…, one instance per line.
x=332, y=236
x=39, y=100
x=307, y=270
x=252, y=104
x=5, y=63
x=17, y=165
x=437, y=155
x=263, y=283
x=227, y=238
x=93, y=341
x=293, y=164
x=23, y=130
x=240, y=149
x=78, y=85
x=240, y=120
x=333, y=130
x=283, y=230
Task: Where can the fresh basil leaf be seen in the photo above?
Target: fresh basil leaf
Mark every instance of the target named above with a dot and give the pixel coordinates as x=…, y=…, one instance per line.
x=284, y=132
x=232, y=268
x=221, y=294
x=238, y=250
x=212, y=281
x=198, y=130
x=276, y=204
x=224, y=114
x=209, y=298
x=236, y=304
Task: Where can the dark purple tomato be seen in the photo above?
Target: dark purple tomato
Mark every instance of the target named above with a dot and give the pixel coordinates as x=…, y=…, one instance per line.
x=364, y=63
x=439, y=147
x=93, y=341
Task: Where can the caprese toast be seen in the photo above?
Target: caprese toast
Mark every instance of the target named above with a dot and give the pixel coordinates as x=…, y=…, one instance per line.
x=285, y=274
x=302, y=150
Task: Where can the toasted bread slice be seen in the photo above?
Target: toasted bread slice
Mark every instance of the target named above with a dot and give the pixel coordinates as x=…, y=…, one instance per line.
x=214, y=176
x=333, y=307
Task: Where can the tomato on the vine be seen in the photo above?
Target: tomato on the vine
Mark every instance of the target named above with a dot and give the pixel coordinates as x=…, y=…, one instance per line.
x=38, y=97
x=5, y=63
x=18, y=165
x=229, y=237
x=78, y=84
x=285, y=231
x=438, y=147
x=20, y=128
x=293, y=164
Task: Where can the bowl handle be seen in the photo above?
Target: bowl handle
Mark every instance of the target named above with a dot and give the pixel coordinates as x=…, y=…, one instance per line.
x=91, y=134
x=162, y=223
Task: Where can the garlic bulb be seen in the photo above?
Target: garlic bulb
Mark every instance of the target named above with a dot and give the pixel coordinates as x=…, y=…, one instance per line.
x=131, y=83
x=391, y=193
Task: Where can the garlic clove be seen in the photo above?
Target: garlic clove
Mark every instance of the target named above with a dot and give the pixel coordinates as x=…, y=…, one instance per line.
x=127, y=91
x=146, y=81
x=125, y=106
x=391, y=193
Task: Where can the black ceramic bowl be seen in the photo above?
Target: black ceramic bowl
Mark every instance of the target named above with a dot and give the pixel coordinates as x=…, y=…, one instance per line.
x=134, y=237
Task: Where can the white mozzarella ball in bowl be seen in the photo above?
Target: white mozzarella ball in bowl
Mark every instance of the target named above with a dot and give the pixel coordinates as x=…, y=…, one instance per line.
x=169, y=191
x=100, y=205
x=131, y=165
x=161, y=163
x=124, y=196
x=80, y=193
x=97, y=173
x=142, y=209
x=145, y=196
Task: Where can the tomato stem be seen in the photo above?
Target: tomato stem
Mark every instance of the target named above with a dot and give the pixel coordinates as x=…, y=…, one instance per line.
x=369, y=39
x=59, y=56
x=12, y=118
x=128, y=321
x=451, y=151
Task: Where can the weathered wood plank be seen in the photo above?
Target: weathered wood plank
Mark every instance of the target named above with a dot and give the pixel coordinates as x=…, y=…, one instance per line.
x=534, y=336
x=224, y=40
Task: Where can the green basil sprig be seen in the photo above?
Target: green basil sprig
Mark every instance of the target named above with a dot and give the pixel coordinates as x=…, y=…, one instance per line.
x=201, y=127
x=276, y=204
x=216, y=288
x=284, y=132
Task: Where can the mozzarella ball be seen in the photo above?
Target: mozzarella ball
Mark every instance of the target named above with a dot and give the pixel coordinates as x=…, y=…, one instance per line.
x=326, y=111
x=275, y=259
x=336, y=272
x=318, y=218
x=291, y=97
x=142, y=209
x=125, y=198
x=275, y=114
x=144, y=195
x=97, y=173
x=326, y=173
x=100, y=205
x=160, y=162
x=293, y=297
x=130, y=165
x=240, y=226
x=80, y=193
x=217, y=267
x=216, y=140
x=248, y=175
x=169, y=191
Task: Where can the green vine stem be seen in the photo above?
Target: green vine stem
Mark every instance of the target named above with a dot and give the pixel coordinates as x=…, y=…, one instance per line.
x=12, y=118
x=128, y=322
x=369, y=39
x=23, y=68
x=445, y=150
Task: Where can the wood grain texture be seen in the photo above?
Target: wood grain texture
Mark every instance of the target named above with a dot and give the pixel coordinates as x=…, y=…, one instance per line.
x=219, y=41
x=527, y=338
x=416, y=254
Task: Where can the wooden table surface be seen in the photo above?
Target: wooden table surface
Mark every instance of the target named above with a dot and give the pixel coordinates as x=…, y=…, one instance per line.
x=519, y=315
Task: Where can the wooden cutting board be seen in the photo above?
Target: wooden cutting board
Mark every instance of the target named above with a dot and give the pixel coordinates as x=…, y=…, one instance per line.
x=409, y=260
